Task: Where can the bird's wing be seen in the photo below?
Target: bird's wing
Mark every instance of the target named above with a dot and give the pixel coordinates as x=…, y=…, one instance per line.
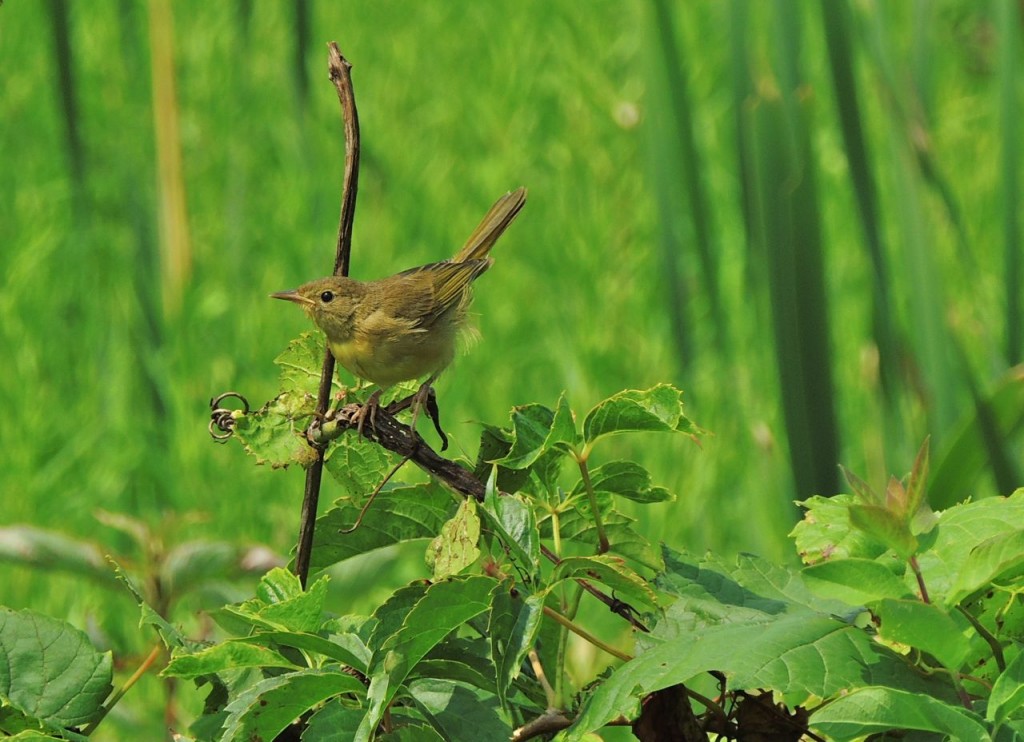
x=426, y=300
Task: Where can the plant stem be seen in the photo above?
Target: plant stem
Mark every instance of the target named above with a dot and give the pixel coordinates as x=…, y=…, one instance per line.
x=586, y=635
x=993, y=643
x=340, y=74
x=920, y=578
x=109, y=705
x=602, y=538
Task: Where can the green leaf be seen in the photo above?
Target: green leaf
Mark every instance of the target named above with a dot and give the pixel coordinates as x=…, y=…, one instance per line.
x=867, y=711
x=455, y=548
x=796, y=655
x=443, y=607
x=396, y=515
x=854, y=581
x=1001, y=556
x=335, y=722
x=495, y=443
x=577, y=524
x=885, y=527
x=513, y=626
x=265, y=709
x=275, y=434
x=750, y=590
x=659, y=408
x=301, y=363
x=959, y=531
x=512, y=520
x=280, y=603
x=625, y=479
x=926, y=627
x=610, y=571
x=357, y=464
x=537, y=430
x=1007, y=692
x=227, y=655
x=826, y=533
x=458, y=712
x=411, y=733
x=50, y=671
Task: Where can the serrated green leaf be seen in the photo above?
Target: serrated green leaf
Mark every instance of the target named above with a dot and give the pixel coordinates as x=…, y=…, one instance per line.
x=411, y=733
x=275, y=434
x=866, y=711
x=625, y=479
x=513, y=626
x=537, y=430
x=335, y=722
x=796, y=655
x=748, y=590
x=228, y=655
x=609, y=570
x=443, y=607
x=265, y=709
x=578, y=525
x=458, y=712
x=1001, y=556
x=825, y=531
x=926, y=627
x=396, y=515
x=531, y=425
x=281, y=603
x=854, y=581
x=495, y=443
x=658, y=409
x=1007, y=692
x=461, y=659
x=50, y=671
x=357, y=464
x=885, y=527
x=302, y=362
x=959, y=531
x=455, y=548
x=513, y=521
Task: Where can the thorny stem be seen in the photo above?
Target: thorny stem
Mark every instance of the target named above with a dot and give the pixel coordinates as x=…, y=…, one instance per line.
x=602, y=538
x=340, y=74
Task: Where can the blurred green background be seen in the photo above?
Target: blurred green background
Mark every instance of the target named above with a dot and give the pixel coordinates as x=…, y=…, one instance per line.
x=806, y=215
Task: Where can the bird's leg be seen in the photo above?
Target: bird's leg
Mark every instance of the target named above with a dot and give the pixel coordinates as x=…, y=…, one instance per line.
x=367, y=409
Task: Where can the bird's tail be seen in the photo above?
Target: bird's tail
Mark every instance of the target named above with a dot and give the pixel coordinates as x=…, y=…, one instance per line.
x=492, y=226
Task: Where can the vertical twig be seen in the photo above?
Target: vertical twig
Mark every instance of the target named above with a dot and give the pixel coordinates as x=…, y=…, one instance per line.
x=340, y=74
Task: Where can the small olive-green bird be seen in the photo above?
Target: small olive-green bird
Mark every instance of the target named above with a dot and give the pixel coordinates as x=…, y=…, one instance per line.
x=405, y=326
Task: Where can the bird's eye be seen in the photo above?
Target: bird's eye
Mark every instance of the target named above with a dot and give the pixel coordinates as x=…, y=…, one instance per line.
x=327, y=297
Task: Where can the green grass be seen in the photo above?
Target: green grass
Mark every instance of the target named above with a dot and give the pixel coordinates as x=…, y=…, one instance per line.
x=600, y=285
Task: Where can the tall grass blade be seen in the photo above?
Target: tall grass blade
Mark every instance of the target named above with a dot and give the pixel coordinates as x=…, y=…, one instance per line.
x=690, y=166
x=788, y=224
x=836, y=17
x=978, y=443
x=1009, y=25
x=301, y=37
x=175, y=244
x=60, y=25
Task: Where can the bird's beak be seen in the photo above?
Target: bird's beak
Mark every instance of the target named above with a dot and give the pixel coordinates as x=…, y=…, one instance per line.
x=294, y=296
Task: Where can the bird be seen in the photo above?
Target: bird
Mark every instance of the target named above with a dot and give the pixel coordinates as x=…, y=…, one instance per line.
x=405, y=326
